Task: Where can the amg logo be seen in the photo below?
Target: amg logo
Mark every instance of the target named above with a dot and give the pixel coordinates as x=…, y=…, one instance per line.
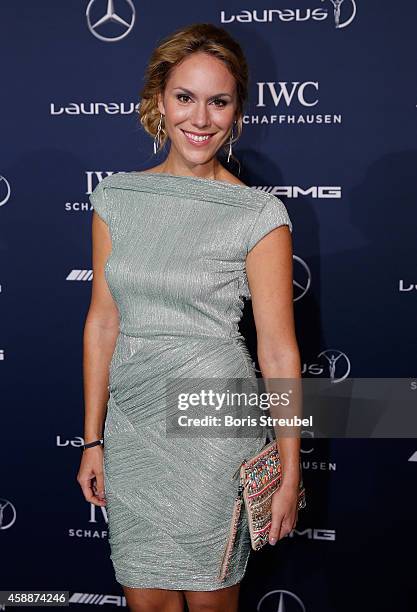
x=98, y=600
x=315, y=191
x=80, y=275
x=314, y=534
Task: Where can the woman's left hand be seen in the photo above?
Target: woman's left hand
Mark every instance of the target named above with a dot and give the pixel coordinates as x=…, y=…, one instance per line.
x=284, y=512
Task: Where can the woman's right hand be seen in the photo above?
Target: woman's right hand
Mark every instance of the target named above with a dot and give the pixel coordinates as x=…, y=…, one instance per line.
x=91, y=476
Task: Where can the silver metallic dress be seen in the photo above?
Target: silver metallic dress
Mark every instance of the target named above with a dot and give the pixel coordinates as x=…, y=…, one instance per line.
x=177, y=274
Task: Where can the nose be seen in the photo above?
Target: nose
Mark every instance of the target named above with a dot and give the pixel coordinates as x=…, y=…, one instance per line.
x=200, y=117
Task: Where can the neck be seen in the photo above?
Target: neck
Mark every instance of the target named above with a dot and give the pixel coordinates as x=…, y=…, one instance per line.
x=210, y=170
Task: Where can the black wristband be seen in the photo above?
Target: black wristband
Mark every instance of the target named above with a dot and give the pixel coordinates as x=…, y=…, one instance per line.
x=95, y=443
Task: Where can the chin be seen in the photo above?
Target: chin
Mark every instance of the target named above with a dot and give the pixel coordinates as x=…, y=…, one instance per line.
x=198, y=157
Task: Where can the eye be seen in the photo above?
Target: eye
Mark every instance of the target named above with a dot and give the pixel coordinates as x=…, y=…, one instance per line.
x=222, y=102
x=182, y=96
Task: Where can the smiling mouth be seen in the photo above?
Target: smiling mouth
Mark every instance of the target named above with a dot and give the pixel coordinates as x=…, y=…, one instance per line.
x=193, y=137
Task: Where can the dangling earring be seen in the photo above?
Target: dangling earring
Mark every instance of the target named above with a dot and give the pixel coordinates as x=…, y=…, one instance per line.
x=157, y=139
x=230, y=144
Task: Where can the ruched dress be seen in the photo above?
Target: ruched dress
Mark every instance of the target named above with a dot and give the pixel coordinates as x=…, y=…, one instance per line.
x=177, y=274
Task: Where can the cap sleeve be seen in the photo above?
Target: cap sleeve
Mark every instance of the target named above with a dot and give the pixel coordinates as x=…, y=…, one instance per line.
x=273, y=214
x=99, y=202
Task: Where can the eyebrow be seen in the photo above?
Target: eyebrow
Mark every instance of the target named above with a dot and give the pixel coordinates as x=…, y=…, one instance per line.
x=190, y=93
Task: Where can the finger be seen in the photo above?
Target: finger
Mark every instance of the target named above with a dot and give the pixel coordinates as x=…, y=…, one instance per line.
x=87, y=490
x=99, y=486
x=285, y=529
x=295, y=520
x=275, y=530
x=89, y=495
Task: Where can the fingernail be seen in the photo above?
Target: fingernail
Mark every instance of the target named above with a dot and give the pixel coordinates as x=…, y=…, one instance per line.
x=273, y=541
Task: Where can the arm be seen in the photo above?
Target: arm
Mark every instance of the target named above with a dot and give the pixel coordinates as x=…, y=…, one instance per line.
x=100, y=333
x=269, y=272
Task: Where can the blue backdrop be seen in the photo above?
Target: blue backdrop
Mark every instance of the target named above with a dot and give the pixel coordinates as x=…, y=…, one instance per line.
x=329, y=128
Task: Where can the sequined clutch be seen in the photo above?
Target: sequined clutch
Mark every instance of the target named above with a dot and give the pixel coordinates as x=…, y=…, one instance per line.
x=260, y=477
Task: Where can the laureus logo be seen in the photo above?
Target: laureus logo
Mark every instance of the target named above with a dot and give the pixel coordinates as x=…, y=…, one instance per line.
x=331, y=363
x=7, y=514
x=338, y=364
x=341, y=21
x=342, y=15
x=101, y=13
x=4, y=190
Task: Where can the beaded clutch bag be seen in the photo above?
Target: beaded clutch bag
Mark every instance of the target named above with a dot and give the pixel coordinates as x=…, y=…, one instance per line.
x=260, y=477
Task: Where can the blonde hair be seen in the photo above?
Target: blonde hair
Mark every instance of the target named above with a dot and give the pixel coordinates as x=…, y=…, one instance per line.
x=199, y=37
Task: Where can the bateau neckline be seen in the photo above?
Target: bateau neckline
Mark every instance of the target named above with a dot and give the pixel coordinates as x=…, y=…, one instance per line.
x=199, y=179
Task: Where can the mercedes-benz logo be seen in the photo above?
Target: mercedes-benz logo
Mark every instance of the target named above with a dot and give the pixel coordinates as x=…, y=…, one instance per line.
x=125, y=19
x=301, y=278
x=282, y=601
x=4, y=190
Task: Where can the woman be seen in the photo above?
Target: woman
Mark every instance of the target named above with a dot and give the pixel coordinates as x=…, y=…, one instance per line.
x=175, y=248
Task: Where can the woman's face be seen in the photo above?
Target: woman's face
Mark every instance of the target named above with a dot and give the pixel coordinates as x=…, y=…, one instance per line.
x=199, y=104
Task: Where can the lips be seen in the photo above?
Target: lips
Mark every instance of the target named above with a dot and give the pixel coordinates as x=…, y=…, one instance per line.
x=197, y=138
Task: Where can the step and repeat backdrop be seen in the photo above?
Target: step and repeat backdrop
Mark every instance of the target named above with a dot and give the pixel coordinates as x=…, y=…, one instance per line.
x=330, y=128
